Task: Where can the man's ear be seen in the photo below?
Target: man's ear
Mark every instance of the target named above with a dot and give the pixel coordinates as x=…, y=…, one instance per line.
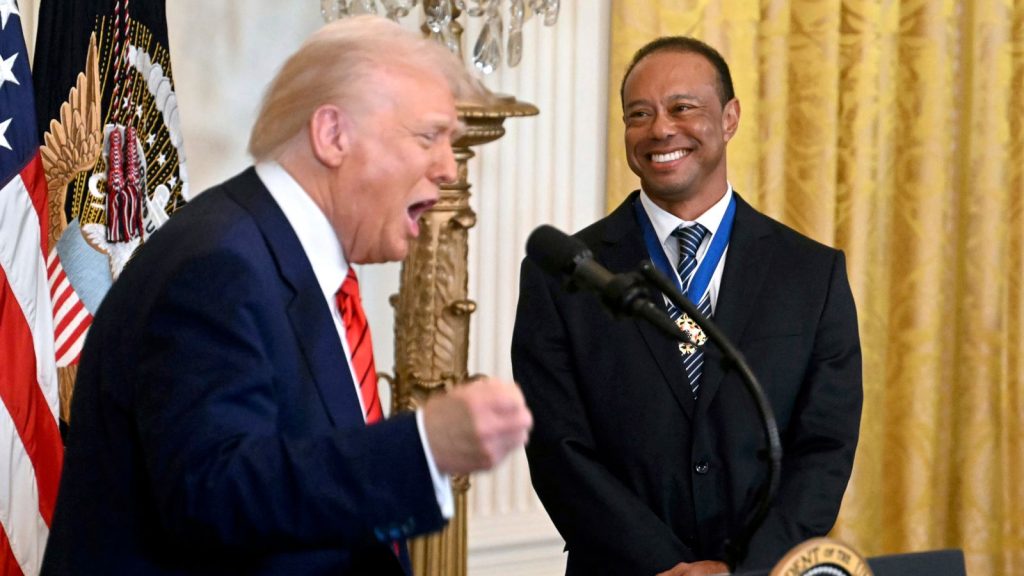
x=730, y=118
x=329, y=134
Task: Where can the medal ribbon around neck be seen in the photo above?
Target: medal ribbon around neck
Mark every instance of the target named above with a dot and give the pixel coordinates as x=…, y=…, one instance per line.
x=706, y=268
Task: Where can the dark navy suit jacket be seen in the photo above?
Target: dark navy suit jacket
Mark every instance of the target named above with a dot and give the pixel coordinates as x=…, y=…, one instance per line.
x=636, y=475
x=215, y=427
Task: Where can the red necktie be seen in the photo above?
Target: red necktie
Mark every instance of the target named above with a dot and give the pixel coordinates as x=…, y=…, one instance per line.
x=357, y=333
x=360, y=346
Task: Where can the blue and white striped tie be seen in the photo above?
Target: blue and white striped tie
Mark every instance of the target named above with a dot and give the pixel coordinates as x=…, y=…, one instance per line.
x=689, y=240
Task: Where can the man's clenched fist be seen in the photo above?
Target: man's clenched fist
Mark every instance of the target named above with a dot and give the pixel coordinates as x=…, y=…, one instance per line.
x=475, y=425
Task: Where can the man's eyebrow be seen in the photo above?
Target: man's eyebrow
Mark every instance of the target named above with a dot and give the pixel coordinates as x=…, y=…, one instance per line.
x=637, y=102
x=670, y=98
x=433, y=124
x=456, y=127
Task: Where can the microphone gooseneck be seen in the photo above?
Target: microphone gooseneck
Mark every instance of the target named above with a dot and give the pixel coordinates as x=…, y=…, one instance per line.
x=736, y=547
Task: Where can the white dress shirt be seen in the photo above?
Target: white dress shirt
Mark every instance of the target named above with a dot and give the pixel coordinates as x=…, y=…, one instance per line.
x=324, y=251
x=665, y=223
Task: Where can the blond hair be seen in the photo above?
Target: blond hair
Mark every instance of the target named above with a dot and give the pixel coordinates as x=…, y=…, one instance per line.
x=334, y=66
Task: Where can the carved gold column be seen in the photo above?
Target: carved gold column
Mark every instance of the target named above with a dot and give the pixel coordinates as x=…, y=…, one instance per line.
x=432, y=312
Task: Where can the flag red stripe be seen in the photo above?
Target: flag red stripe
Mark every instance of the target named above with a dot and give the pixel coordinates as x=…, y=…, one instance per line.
x=75, y=336
x=66, y=320
x=35, y=182
x=58, y=300
x=8, y=564
x=52, y=262
x=26, y=404
x=54, y=273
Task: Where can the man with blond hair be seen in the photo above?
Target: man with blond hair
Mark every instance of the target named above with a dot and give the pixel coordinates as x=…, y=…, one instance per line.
x=226, y=417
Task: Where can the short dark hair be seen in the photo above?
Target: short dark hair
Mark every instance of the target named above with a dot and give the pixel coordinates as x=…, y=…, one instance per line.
x=685, y=45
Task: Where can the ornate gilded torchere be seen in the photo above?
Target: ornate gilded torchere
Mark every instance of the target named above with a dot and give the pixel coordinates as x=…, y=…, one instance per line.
x=432, y=311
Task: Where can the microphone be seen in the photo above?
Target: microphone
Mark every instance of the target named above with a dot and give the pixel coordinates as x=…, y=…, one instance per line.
x=561, y=255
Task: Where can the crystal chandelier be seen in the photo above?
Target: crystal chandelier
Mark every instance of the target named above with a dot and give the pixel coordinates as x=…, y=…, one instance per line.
x=440, y=22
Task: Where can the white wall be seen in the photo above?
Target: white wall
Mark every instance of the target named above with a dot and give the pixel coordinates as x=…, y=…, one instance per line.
x=547, y=169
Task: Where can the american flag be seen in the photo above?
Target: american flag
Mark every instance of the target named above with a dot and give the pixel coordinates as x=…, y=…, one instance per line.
x=30, y=447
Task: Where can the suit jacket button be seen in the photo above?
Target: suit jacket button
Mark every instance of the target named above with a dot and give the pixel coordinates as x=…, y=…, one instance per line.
x=701, y=467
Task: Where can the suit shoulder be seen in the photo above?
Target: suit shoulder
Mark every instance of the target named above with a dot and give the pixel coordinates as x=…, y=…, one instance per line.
x=212, y=230
x=212, y=218
x=796, y=242
x=594, y=233
x=613, y=226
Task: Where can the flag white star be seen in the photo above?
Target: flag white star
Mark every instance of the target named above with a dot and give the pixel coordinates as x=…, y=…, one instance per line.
x=161, y=159
x=7, y=7
x=150, y=139
x=3, y=134
x=172, y=182
x=7, y=70
x=138, y=111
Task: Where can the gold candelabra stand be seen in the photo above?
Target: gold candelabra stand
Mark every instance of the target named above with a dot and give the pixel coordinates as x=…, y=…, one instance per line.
x=432, y=311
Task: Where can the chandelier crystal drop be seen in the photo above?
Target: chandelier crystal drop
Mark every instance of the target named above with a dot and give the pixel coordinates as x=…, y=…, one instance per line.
x=440, y=19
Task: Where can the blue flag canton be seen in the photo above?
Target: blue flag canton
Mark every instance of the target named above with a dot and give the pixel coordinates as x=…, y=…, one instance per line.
x=18, y=140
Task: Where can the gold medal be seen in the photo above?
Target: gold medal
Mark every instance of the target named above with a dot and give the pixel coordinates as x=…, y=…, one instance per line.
x=693, y=332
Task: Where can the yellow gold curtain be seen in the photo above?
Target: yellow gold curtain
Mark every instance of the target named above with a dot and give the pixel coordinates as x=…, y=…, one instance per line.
x=894, y=130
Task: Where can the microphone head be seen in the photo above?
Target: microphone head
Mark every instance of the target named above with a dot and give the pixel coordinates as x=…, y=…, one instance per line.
x=554, y=251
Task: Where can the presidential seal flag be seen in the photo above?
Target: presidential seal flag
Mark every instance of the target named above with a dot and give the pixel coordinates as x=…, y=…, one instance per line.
x=30, y=447
x=112, y=151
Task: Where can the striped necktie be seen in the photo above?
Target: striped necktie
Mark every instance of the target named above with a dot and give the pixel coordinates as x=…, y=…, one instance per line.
x=360, y=346
x=690, y=238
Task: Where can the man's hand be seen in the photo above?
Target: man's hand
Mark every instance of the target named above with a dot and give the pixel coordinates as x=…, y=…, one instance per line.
x=701, y=568
x=475, y=425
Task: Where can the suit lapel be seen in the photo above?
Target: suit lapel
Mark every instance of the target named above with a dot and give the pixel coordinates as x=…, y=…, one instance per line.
x=309, y=315
x=624, y=250
x=747, y=262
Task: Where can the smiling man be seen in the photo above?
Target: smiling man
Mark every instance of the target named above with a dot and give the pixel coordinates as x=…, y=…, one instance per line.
x=648, y=455
x=226, y=418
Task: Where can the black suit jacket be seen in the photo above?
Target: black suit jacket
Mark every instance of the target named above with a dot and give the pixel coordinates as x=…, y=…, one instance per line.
x=215, y=427
x=635, y=474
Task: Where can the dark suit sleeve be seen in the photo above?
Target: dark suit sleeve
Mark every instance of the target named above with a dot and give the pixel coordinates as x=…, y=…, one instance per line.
x=594, y=512
x=822, y=437
x=223, y=469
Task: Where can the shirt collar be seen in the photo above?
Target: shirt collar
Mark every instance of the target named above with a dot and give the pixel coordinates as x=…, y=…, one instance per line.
x=665, y=222
x=317, y=237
